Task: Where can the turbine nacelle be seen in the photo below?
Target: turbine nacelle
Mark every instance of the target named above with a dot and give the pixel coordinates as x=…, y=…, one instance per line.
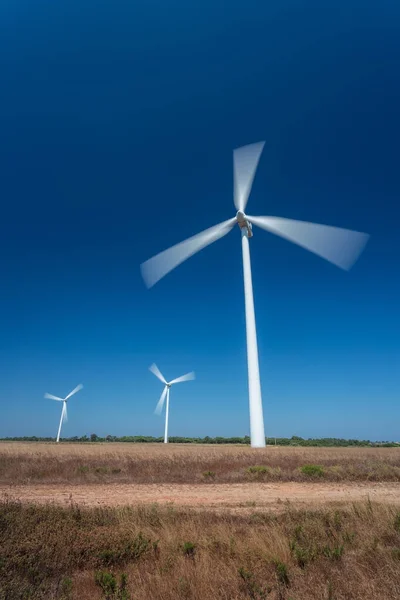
x=244, y=224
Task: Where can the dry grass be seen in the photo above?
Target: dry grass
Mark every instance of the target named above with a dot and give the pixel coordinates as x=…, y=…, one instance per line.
x=24, y=463
x=343, y=553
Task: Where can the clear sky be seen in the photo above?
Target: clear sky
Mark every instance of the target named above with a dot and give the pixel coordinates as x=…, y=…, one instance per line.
x=118, y=120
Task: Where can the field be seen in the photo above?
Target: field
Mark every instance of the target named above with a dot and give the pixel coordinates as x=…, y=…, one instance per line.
x=149, y=521
x=180, y=463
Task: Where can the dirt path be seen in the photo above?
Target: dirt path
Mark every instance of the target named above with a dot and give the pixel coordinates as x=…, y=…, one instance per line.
x=216, y=495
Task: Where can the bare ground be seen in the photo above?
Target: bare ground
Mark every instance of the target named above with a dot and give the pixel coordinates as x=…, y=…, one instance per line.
x=239, y=495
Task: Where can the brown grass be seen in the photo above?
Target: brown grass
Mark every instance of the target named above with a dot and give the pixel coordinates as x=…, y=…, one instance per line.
x=343, y=553
x=25, y=463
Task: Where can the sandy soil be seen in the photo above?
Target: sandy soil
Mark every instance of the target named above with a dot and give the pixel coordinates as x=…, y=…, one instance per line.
x=205, y=495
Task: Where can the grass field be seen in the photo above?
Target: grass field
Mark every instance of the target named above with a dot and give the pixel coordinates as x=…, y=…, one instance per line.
x=25, y=463
x=137, y=553
x=238, y=550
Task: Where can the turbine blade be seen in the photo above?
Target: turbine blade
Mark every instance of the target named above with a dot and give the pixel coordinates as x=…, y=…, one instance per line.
x=245, y=161
x=157, y=267
x=342, y=247
x=65, y=416
x=160, y=403
x=78, y=387
x=187, y=377
x=156, y=371
x=51, y=397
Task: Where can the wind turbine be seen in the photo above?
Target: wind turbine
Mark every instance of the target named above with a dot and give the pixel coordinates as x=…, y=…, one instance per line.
x=165, y=393
x=64, y=416
x=339, y=246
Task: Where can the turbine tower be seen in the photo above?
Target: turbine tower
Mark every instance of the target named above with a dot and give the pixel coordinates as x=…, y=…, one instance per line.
x=64, y=408
x=341, y=247
x=165, y=393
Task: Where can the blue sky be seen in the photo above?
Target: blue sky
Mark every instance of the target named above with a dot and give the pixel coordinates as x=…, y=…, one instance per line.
x=118, y=121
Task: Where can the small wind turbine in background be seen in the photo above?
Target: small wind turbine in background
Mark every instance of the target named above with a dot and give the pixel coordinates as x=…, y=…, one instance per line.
x=64, y=416
x=165, y=393
x=339, y=246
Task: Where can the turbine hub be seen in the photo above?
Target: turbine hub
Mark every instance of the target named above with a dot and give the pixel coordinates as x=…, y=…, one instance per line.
x=244, y=224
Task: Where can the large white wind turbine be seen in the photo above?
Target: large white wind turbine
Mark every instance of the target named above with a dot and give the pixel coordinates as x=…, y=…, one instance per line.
x=339, y=246
x=165, y=393
x=64, y=416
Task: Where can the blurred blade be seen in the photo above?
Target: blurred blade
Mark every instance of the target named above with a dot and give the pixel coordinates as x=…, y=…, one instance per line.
x=157, y=267
x=154, y=369
x=187, y=377
x=65, y=416
x=245, y=161
x=160, y=404
x=341, y=247
x=51, y=397
x=78, y=387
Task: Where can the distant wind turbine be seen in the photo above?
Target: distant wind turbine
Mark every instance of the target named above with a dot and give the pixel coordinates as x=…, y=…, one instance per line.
x=339, y=246
x=165, y=393
x=64, y=416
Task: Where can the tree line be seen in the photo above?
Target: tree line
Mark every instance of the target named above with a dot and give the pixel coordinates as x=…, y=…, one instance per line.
x=140, y=439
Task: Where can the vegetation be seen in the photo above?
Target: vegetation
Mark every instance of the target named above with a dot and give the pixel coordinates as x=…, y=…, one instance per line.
x=313, y=470
x=258, y=470
x=110, y=587
x=26, y=463
x=143, y=553
x=140, y=439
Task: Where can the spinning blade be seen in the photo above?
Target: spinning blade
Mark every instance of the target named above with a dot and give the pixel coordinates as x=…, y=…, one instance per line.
x=156, y=371
x=160, y=403
x=342, y=247
x=51, y=397
x=78, y=387
x=187, y=377
x=157, y=267
x=245, y=162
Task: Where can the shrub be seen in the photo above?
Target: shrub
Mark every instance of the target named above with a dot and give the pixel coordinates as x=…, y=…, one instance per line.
x=66, y=588
x=302, y=554
x=397, y=522
x=396, y=553
x=107, y=583
x=330, y=591
x=258, y=470
x=123, y=592
x=189, y=549
x=82, y=469
x=313, y=470
x=209, y=475
x=184, y=587
x=253, y=589
x=132, y=550
x=156, y=548
x=282, y=573
x=110, y=587
x=333, y=553
x=101, y=470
